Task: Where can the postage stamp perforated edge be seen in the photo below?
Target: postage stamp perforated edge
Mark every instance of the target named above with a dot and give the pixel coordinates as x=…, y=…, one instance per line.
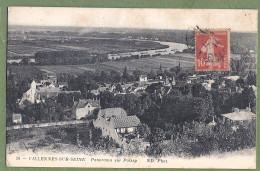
x=228, y=46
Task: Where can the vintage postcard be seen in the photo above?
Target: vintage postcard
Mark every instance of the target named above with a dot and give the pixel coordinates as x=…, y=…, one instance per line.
x=131, y=88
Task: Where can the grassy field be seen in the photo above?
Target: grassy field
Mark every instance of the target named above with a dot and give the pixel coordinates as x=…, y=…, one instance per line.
x=145, y=64
x=20, y=48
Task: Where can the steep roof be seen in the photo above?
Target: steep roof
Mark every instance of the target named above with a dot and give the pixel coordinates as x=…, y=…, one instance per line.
x=126, y=121
x=113, y=112
x=83, y=102
x=46, y=94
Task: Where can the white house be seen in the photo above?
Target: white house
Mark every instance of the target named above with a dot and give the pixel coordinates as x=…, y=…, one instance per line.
x=115, y=123
x=143, y=78
x=17, y=118
x=85, y=107
x=239, y=116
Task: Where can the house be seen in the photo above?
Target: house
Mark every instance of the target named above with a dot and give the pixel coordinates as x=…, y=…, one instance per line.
x=95, y=92
x=50, y=79
x=61, y=85
x=113, y=56
x=126, y=86
x=143, y=78
x=233, y=78
x=192, y=79
x=239, y=117
x=17, y=118
x=207, y=84
x=115, y=123
x=11, y=61
x=85, y=107
x=169, y=81
x=134, y=89
x=39, y=92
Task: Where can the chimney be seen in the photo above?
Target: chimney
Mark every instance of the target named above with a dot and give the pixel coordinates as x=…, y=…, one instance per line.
x=248, y=109
x=236, y=110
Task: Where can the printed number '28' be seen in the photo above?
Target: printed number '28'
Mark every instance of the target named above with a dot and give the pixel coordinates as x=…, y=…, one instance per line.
x=201, y=62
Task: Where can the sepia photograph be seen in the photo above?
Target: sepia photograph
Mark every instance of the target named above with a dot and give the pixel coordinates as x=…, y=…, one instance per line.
x=131, y=88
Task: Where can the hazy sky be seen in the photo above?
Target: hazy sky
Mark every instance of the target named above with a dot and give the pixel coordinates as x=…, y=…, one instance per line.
x=182, y=19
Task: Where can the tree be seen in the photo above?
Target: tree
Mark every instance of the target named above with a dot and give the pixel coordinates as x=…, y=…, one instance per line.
x=154, y=87
x=160, y=70
x=230, y=84
x=125, y=74
x=115, y=76
x=225, y=103
x=200, y=109
x=198, y=90
x=176, y=70
x=177, y=109
x=119, y=100
x=132, y=104
x=214, y=86
x=143, y=131
x=240, y=82
x=183, y=76
x=137, y=73
x=103, y=76
x=106, y=99
x=156, y=138
x=251, y=78
x=152, y=74
x=119, y=88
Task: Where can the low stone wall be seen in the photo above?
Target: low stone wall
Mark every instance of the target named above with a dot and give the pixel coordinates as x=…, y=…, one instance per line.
x=40, y=125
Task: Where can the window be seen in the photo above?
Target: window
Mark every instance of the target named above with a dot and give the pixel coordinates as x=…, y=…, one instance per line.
x=131, y=129
x=122, y=130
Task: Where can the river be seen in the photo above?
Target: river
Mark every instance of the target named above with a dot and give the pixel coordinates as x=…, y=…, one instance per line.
x=172, y=48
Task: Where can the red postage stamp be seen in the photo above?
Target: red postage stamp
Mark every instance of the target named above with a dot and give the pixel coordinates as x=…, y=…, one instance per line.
x=212, y=50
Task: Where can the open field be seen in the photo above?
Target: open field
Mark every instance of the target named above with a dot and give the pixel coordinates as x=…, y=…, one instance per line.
x=145, y=64
x=28, y=47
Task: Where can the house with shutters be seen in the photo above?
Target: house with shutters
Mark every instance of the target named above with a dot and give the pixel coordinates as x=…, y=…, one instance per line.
x=115, y=123
x=85, y=107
